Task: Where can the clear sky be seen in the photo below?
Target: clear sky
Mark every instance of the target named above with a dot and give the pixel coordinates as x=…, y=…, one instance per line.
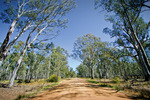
x=82, y=20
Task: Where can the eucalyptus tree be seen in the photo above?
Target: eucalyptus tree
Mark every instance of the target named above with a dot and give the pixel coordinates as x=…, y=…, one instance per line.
x=58, y=60
x=128, y=67
x=85, y=49
x=48, y=16
x=82, y=71
x=129, y=28
x=31, y=59
x=103, y=58
x=10, y=62
x=31, y=15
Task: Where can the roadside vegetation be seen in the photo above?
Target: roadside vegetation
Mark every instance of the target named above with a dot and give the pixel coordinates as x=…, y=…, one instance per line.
x=24, y=90
x=137, y=90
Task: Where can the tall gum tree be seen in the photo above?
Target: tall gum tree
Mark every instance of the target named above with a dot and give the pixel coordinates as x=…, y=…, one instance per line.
x=129, y=28
x=85, y=49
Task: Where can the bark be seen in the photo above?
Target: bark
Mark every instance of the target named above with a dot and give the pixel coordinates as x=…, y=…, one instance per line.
x=142, y=64
x=145, y=64
x=92, y=73
x=13, y=76
x=27, y=74
x=144, y=69
x=100, y=73
x=143, y=55
x=5, y=42
x=49, y=65
x=11, y=83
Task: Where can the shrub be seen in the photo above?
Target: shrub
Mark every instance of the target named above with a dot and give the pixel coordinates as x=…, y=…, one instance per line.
x=20, y=81
x=53, y=78
x=116, y=80
x=27, y=81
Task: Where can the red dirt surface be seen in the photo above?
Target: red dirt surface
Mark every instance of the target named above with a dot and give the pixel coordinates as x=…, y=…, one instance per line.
x=79, y=89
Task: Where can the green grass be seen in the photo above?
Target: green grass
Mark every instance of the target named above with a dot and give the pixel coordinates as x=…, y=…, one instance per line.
x=46, y=87
x=105, y=85
x=92, y=81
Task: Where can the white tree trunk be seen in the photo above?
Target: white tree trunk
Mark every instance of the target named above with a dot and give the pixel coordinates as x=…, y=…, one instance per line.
x=11, y=82
x=13, y=76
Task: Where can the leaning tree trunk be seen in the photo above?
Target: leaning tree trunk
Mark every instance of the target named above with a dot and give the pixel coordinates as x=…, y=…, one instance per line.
x=5, y=42
x=23, y=52
x=13, y=76
x=144, y=69
x=145, y=64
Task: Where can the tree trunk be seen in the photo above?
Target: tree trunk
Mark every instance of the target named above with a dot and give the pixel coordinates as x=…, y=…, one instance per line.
x=143, y=65
x=100, y=73
x=5, y=42
x=144, y=69
x=49, y=65
x=92, y=73
x=143, y=56
x=13, y=76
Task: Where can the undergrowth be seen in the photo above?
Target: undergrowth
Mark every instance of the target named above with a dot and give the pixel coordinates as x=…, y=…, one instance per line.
x=131, y=92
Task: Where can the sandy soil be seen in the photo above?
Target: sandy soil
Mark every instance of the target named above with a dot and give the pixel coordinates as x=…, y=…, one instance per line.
x=79, y=89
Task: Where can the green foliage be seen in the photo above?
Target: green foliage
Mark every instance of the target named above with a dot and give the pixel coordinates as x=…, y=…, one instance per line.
x=53, y=78
x=129, y=29
x=20, y=81
x=116, y=79
x=27, y=81
x=82, y=70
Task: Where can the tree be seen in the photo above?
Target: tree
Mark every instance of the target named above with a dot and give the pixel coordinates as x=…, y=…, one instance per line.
x=50, y=17
x=85, y=48
x=59, y=60
x=129, y=28
x=33, y=15
x=82, y=71
x=10, y=62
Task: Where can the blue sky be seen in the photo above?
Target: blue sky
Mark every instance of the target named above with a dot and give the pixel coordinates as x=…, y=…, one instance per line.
x=82, y=20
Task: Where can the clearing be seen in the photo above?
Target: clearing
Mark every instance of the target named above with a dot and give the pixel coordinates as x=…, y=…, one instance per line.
x=79, y=89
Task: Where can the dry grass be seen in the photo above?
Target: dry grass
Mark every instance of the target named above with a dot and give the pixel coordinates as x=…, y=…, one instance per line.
x=137, y=90
x=21, y=89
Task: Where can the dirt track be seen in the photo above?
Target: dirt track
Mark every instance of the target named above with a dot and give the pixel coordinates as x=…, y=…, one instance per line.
x=79, y=89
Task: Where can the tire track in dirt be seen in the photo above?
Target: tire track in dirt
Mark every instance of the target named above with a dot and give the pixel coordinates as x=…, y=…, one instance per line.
x=79, y=89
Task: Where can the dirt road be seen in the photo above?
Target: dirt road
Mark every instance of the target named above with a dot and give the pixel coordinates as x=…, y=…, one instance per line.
x=79, y=89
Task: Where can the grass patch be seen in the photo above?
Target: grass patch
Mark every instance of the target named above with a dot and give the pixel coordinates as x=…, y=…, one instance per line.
x=105, y=85
x=92, y=81
x=46, y=87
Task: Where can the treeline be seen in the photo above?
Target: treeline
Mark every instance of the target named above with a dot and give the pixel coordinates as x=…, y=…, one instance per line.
x=39, y=62
x=101, y=60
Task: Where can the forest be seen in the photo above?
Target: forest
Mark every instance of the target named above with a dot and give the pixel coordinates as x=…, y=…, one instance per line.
x=30, y=61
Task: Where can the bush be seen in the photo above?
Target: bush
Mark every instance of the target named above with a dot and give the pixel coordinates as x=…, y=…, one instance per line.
x=27, y=81
x=20, y=81
x=53, y=78
x=116, y=80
